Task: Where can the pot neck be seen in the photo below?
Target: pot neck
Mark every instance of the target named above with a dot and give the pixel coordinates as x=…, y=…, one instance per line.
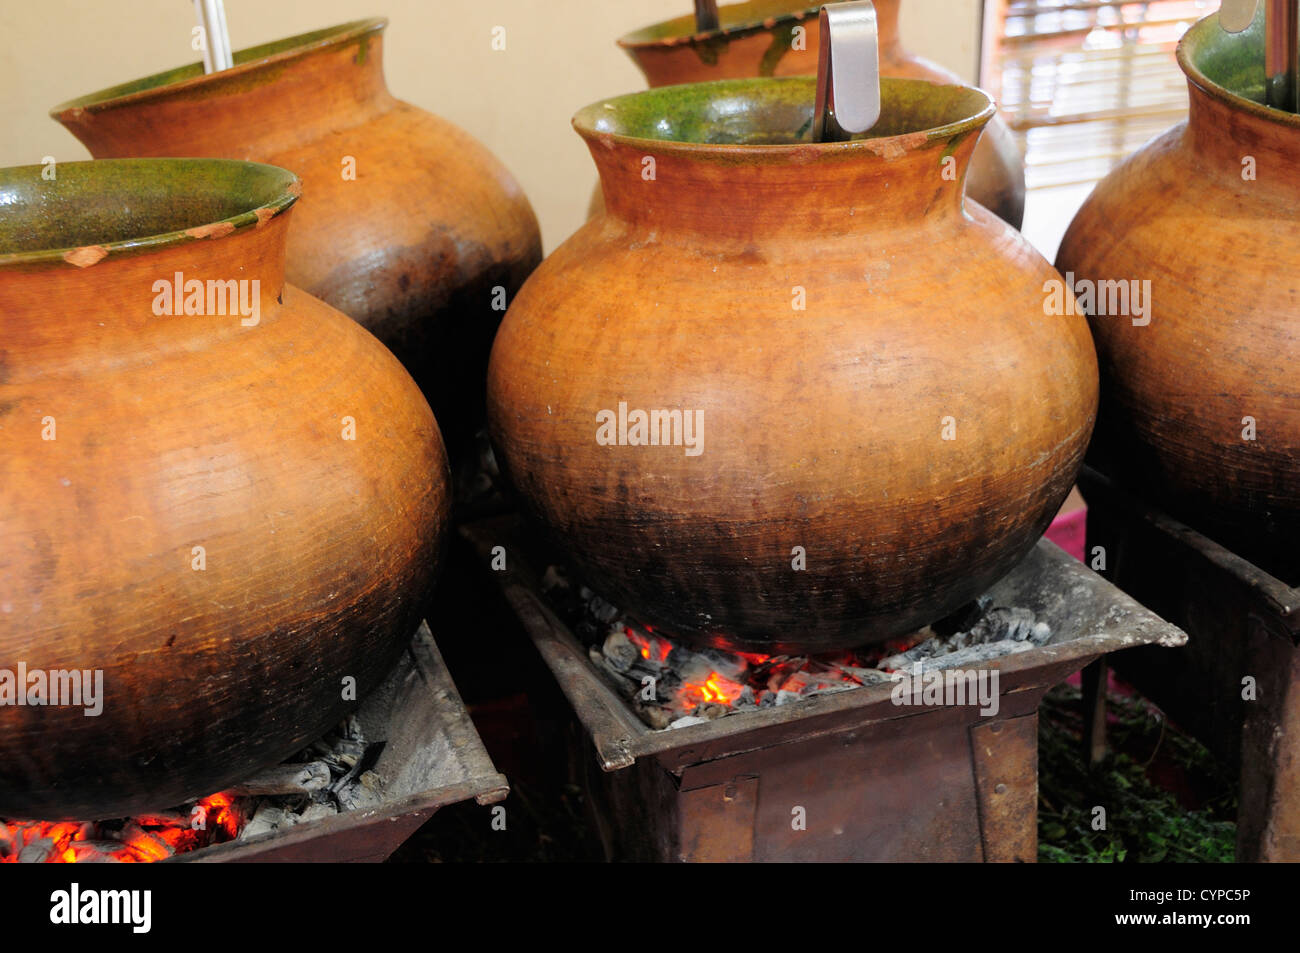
x=1232, y=137
x=64, y=316
x=755, y=40
x=1225, y=134
x=274, y=98
x=815, y=191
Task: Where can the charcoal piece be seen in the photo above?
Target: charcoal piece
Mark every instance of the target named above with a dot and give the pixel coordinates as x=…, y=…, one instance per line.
x=37, y=852
x=355, y=795
x=268, y=819
x=351, y=729
x=656, y=716
x=865, y=676
x=285, y=779
x=602, y=610
x=729, y=666
x=687, y=720
x=829, y=688
x=318, y=810
x=690, y=667
x=96, y=851
x=554, y=578
x=1002, y=623
x=619, y=652
x=974, y=654
x=134, y=835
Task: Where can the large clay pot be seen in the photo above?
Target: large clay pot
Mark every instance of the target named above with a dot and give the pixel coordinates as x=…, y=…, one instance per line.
x=835, y=313
x=757, y=38
x=411, y=247
x=1201, y=408
x=180, y=506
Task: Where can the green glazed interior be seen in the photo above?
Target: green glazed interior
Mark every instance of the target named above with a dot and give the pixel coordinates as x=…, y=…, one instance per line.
x=776, y=112
x=128, y=205
x=280, y=50
x=733, y=18
x=1230, y=66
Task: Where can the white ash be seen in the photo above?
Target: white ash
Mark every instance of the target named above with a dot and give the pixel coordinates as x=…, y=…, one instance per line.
x=333, y=775
x=687, y=720
x=999, y=632
x=663, y=688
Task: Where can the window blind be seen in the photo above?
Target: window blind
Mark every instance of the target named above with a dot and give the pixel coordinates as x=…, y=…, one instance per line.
x=1084, y=83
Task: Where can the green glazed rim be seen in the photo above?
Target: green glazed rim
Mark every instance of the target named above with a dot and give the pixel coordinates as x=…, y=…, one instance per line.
x=772, y=118
x=247, y=61
x=734, y=20
x=1231, y=67
x=129, y=206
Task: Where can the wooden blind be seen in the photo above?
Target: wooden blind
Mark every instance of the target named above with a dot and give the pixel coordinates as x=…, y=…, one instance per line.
x=1084, y=83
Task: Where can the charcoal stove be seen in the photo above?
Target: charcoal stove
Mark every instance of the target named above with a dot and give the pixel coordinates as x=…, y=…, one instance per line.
x=1244, y=623
x=429, y=757
x=835, y=777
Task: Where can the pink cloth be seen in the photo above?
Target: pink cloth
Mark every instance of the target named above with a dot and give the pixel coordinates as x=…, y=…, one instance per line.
x=1069, y=532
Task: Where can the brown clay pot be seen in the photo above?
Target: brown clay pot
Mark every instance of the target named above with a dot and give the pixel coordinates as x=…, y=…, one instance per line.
x=412, y=247
x=128, y=438
x=756, y=38
x=1209, y=215
x=824, y=428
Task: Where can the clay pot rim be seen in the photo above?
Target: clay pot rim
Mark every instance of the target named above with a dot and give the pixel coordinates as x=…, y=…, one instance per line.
x=586, y=121
x=1194, y=42
x=658, y=35
x=283, y=186
x=247, y=61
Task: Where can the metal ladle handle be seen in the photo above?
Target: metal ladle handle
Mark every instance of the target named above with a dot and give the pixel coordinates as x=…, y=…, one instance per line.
x=706, y=16
x=1281, y=45
x=848, y=71
x=217, y=54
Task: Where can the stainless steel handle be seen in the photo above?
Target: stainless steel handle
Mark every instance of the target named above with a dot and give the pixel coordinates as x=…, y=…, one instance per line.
x=1281, y=45
x=848, y=71
x=706, y=16
x=217, y=54
x=1282, y=54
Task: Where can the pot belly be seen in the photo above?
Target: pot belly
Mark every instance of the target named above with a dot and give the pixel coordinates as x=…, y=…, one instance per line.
x=202, y=535
x=414, y=246
x=1201, y=406
x=853, y=471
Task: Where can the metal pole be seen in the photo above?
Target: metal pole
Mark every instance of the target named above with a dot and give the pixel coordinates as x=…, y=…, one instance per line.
x=848, y=71
x=216, y=37
x=1282, y=54
x=706, y=16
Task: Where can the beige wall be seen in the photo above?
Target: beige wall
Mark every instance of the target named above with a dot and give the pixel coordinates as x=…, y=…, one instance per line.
x=559, y=56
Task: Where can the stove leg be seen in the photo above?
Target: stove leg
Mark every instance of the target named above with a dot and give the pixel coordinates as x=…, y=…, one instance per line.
x=717, y=822
x=1268, y=816
x=1094, y=678
x=1004, y=755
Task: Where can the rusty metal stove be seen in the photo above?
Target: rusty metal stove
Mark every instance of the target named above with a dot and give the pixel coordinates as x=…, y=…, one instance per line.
x=431, y=757
x=1243, y=623
x=873, y=781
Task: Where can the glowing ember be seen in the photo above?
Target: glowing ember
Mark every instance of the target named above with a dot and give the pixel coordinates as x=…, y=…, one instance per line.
x=649, y=645
x=671, y=684
x=145, y=839
x=328, y=777
x=716, y=689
